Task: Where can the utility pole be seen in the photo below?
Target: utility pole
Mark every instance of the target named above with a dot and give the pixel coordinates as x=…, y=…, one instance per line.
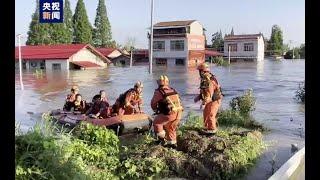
x=20, y=61
x=151, y=40
x=229, y=53
x=131, y=58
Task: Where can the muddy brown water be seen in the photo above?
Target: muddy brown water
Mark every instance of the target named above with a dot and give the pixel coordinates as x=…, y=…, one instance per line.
x=273, y=82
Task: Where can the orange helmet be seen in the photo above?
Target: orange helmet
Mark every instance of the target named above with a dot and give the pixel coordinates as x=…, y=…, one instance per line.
x=203, y=67
x=163, y=80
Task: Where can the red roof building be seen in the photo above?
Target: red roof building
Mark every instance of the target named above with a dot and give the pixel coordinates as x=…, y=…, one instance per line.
x=63, y=56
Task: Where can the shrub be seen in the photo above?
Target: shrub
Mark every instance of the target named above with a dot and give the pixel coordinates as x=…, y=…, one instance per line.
x=244, y=104
x=300, y=93
x=220, y=61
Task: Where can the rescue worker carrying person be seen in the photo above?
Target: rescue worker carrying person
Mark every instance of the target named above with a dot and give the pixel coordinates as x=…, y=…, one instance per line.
x=211, y=97
x=129, y=102
x=100, y=107
x=71, y=98
x=167, y=105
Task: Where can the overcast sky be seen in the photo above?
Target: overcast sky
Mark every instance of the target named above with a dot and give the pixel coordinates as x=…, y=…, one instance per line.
x=131, y=18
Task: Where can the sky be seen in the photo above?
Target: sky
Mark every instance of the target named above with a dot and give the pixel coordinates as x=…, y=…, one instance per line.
x=130, y=19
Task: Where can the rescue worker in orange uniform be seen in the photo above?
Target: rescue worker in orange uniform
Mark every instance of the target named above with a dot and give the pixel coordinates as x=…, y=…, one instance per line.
x=100, y=107
x=129, y=102
x=167, y=105
x=211, y=97
x=71, y=98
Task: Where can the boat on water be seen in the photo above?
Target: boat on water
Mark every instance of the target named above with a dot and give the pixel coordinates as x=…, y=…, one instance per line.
x=122, y=124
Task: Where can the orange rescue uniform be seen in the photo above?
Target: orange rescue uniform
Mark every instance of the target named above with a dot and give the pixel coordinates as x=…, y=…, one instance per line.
x=211, y=97
x=165, y=124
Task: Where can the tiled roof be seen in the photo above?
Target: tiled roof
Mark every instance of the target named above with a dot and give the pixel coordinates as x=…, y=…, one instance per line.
x=243, y=36
x=106, y=51
x=174, y=23
x=86, y=64
x=56, y=52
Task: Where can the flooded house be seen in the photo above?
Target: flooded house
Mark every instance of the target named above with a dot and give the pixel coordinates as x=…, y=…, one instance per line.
x=117, y=56
x=60, y=57
x=178, y=43
x=244, y=47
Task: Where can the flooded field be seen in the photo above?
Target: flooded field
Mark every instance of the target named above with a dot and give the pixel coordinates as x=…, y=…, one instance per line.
x=273, y=82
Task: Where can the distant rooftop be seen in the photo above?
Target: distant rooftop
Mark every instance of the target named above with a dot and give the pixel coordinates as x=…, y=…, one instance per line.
x=242, y=36
x=174, y=23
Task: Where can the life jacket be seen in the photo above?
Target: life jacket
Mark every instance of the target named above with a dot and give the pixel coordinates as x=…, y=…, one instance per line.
x=204, y=86
x=170, y=103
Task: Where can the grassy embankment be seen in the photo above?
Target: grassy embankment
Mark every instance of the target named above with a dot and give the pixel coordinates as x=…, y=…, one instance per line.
x=89, y=152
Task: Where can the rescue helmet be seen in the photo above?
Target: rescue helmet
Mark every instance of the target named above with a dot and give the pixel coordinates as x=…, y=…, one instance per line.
x=74, y=88
x=163, y=80
x=138, y=84
x=203, y=67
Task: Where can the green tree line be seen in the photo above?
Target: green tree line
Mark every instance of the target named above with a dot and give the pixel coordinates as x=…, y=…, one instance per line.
x=76, y=28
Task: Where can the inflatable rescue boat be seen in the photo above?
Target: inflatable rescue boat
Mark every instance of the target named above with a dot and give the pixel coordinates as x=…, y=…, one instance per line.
x=122, y=124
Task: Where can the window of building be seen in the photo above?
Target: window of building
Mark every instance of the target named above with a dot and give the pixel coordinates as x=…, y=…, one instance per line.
x=56, y=66
x=158, y=45
x=233, y=47
x=33, y=64
x=177, y=45
x=161, y=61
x=42, y=65
x=179, y=61
x=248, y=47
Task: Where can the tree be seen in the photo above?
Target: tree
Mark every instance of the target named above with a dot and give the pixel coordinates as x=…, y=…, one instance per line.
x=82, y=29
x=276, y=40
x=102, y=36
x=302, y=51
x=129, y=46
x=38, y=33
x=67, y=13
x=217, y=41
x=232, y=33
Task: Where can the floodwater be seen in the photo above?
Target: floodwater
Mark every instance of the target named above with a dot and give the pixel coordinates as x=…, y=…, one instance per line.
x=273, y=82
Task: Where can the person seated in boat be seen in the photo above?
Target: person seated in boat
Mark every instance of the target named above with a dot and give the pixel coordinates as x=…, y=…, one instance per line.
x=129, y=102
x=79, y=105
x=100, y=107
x=71, y=98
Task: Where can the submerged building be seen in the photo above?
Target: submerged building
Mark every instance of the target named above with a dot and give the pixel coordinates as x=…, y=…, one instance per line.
x=244, y=47
x=61, y=57
x=178, y=43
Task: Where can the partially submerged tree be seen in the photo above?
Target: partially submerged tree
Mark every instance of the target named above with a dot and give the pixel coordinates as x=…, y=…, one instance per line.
x=276, y=41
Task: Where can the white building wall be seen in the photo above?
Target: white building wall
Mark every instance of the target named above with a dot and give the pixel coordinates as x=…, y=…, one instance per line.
x=171, y=54
x=86, y=55
x=258, y=49
x=196, y=28
x=63, y=63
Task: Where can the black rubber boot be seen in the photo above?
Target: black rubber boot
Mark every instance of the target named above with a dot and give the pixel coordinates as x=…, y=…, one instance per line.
x=173, y=146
